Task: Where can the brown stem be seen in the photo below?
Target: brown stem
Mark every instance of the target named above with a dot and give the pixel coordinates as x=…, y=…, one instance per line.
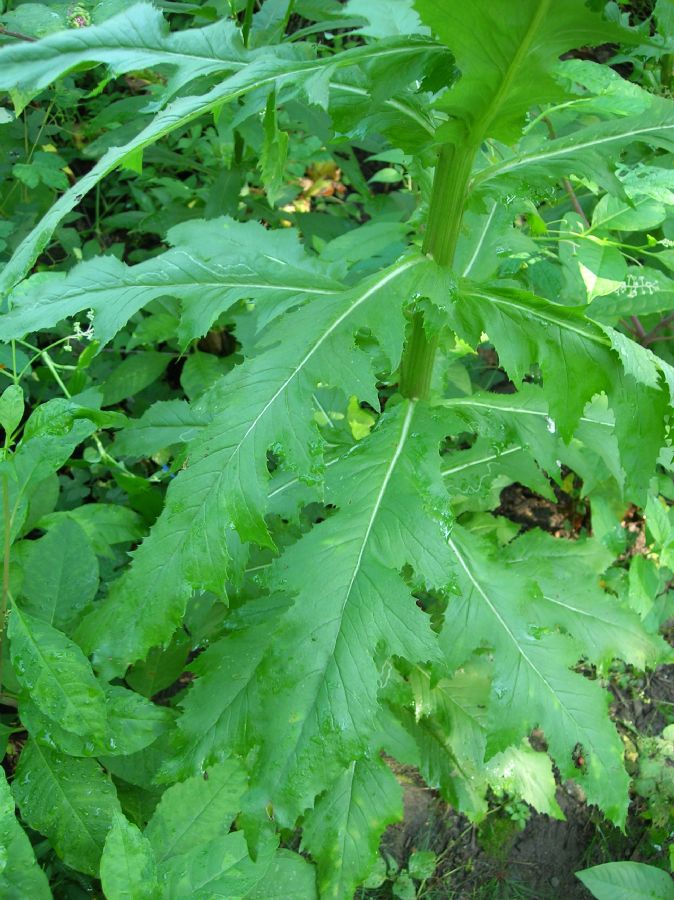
x=17, y=35
x=663, y=323
x=568, y=187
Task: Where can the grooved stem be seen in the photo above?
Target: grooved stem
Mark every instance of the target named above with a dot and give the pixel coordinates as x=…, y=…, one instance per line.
x=450, y=186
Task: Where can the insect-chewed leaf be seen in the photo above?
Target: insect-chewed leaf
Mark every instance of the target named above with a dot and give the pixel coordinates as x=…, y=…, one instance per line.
x=603, y=625
x=262, y=403
x=213, y=265
x=342, y=832
x=315, y=711
x=533, y=685
x=577, y=361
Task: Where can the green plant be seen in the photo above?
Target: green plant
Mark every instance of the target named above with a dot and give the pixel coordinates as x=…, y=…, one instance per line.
x=625, y=880
x=313, y=497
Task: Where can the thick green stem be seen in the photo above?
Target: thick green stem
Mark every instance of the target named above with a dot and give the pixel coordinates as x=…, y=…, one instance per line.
x=450, y=186
x=7, y=544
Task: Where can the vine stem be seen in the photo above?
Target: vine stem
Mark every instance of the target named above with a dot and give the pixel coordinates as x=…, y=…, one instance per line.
x=450, y=187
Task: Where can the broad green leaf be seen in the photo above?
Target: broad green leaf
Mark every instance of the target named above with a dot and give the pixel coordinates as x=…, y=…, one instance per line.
x=134, y=374
x=664, y=13
x=343, y=830
x=161, y=668
x=128, y=868
x=613, y=214
x=70, y=801
x=103, y=523
x=260, y=404
x=133, y=724
x=57, y=675
x=383, y=19
x=627, y=881
x=20, y=875
x=448, y=724
x=603, y=268
x=11, y=408
x=533, y=684
x=60, y=575
x=505, y=71
x=215, y=708
x=575, y=357
x=525, y=773
x=192, y=812
x=289, y=875
x=50, y=435
x=44, y=168
x=163, y=424
x=601, y=624
x=589, y=150
x=221, y=867
x=213, y=265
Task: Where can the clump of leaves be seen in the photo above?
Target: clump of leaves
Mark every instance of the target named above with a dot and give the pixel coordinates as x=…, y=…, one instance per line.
x=287, y=428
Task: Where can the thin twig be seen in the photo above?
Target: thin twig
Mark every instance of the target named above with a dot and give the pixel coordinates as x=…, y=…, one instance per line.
x=568, y=187
x=638, y=327
x=648, y=337
x=17, y=34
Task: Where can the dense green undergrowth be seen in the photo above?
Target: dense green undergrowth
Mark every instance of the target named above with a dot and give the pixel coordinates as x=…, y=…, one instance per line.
x=291, y=293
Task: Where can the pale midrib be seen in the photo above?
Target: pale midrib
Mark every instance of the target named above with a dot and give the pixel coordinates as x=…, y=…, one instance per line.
x=616, y=215
x=16, y=268
x=535, y=313
x=497, y=615
x=167, y=285
x=580, y=612
x=483, y=124
x=479, y=462
x=394, y=104
x=556, y=153
x=483, y=237
x=407, y=423
x=521, y=411
x=400, y=446
x=390, y=276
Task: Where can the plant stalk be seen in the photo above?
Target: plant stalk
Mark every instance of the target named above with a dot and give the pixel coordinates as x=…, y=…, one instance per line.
x=7, y=523
x=450, y=186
